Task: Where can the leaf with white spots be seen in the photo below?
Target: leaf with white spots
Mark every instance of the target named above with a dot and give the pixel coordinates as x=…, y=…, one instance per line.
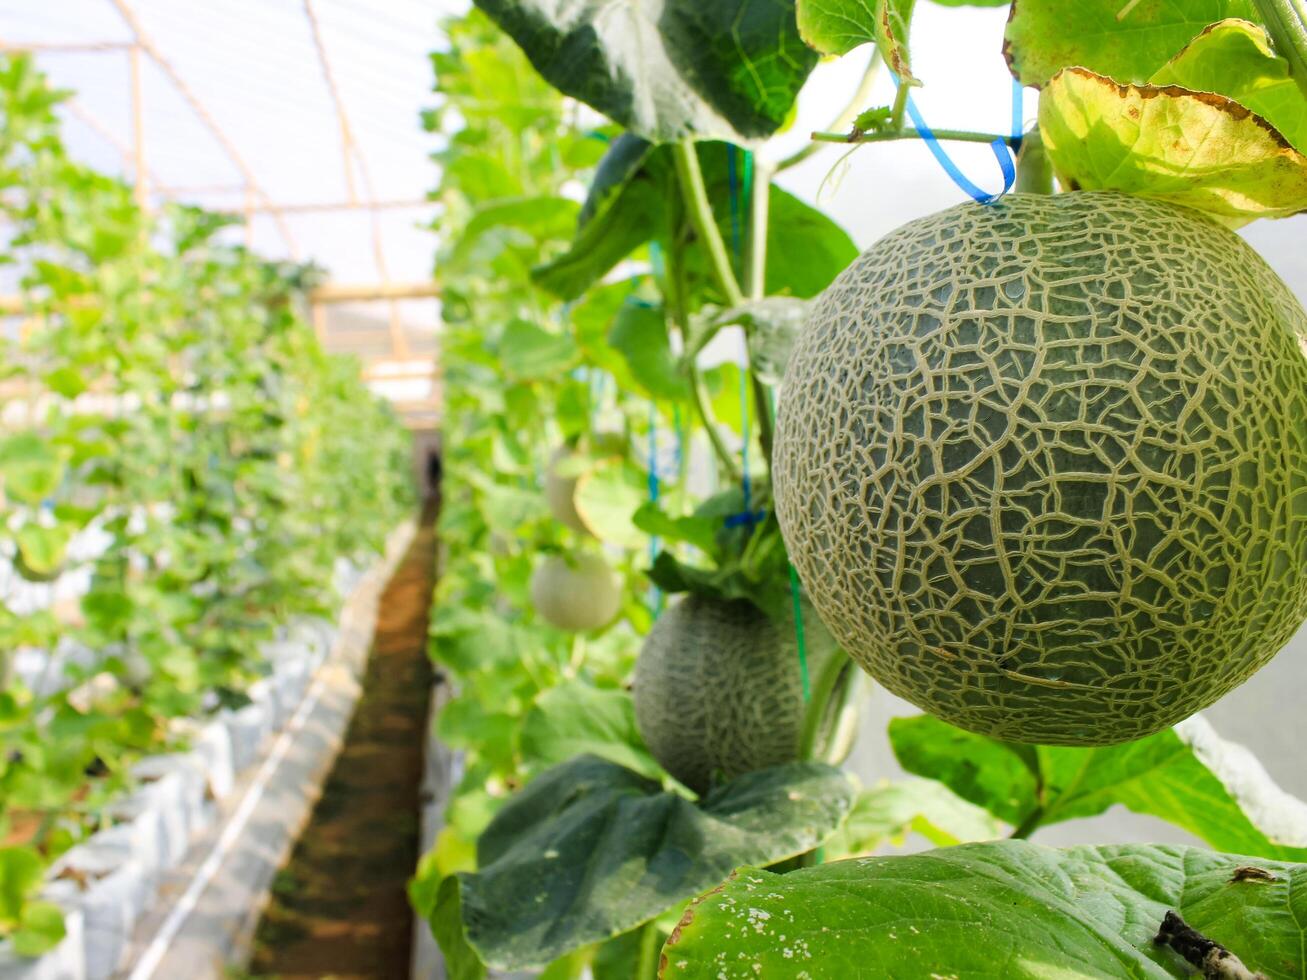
x=1007, y=909
x=590, y=850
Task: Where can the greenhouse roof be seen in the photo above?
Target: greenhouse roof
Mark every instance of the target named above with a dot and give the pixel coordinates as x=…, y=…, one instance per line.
x=302, y=117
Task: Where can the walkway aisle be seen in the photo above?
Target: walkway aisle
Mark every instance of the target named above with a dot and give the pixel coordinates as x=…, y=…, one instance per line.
x=339, y=908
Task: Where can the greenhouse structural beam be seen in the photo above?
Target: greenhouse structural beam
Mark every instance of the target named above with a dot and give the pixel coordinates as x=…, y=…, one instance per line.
x=140, y=181
x=374, y=291
x=353, y=155
x=74, y=107
x=313, y=208
x=73, y=47
x=188, y=95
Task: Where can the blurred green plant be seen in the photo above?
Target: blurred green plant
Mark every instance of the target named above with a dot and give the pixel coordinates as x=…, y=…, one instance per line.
x=164, y=393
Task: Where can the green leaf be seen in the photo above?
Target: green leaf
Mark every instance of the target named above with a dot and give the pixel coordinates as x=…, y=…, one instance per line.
x=1007, y=909
x=628, y=206
x=42, y=549
x=1126, y=41
x=41, y=930
x=619, y=958
x=640, y=334
x=1187, y=776
x=606, y=497
x=543, y=218
x=839, y=26
x=670, y=70
x=772, y=326
x=1234, y=58
x=20, y=875
x=806, y=250
x=696, y=530
x=623, y=209
x=590, y=850
x=922, y=806
x=460, y=959
x=577, y=718
x=1198, y=149
x=66, y=380
x=527, y=351
x=32, y=468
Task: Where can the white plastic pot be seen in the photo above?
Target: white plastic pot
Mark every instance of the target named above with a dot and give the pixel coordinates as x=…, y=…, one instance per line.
x=174, y=798
x=291, y=680
x=213, y=745
x=248, y=727
x=262, y=692
x=100, y=879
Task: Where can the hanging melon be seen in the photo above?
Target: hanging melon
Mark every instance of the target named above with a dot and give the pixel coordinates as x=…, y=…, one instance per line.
x=1042, y=465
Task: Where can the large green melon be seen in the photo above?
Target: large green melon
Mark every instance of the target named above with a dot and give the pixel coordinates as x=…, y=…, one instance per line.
x=1042, y=465
x=719, y=691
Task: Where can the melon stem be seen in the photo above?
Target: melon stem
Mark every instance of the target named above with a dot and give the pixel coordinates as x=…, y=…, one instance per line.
x=755, y=286
x=955, y=135
x=701, y=218
x=1034, y=168
x=1286, y=22
x=1028, y=825
x=822, y=691
x=674, y=300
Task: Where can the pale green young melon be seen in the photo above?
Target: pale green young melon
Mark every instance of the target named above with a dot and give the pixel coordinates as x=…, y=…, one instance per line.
x=560, y=491
x=1042, y=466
x=562, y=476
x=575, y=592
x=718, y=689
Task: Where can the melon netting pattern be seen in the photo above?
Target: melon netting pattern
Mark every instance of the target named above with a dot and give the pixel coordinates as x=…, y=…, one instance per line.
x=1042, y=465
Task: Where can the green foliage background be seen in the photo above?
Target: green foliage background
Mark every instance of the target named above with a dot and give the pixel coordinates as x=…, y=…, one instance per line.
x=166, y=391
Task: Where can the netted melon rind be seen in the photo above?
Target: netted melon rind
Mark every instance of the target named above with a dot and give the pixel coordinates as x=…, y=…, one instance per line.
x=718, y=689
x=1042, y=466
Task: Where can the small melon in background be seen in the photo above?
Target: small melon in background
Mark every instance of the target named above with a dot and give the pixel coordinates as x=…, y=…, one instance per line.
x=565, y=468
x=560, y=489
x=719, y=690
x=576, y=592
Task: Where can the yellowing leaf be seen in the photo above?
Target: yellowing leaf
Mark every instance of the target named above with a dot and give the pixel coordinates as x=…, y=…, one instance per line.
x=1235, y=59
x=838, y=26
x=1198, y=149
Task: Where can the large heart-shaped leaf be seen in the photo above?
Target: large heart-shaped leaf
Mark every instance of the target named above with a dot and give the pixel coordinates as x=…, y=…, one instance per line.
x=1187, y=775
x=1007, y=909
x=1128, y=41
x=639, y=333
x=529, y=351
x=668, y=69
x=1198, y=149
x=577, y=718
x=590, y=850
x=1234, y=58
x=607, y=497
